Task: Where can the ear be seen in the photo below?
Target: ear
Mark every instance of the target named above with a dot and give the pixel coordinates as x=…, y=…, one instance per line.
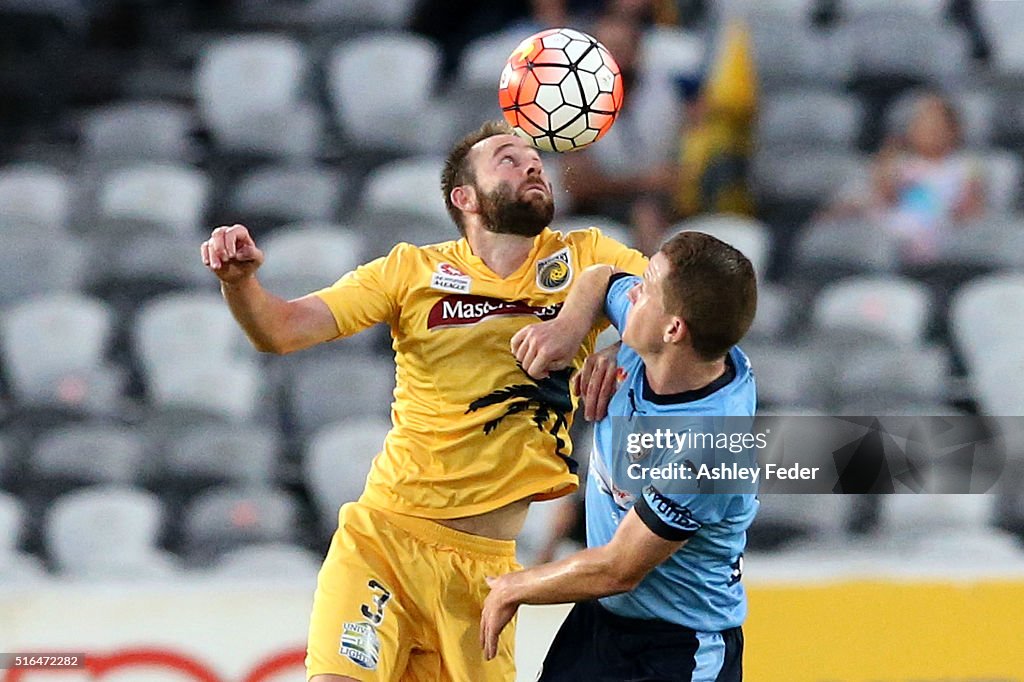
x=464, y=198
x=676, y=331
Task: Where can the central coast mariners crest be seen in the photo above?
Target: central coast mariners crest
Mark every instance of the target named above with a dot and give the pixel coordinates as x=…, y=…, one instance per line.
x=554, y=272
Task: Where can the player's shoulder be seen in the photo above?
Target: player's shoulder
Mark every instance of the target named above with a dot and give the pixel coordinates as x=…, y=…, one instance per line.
x=422, y=253
x=584, y=238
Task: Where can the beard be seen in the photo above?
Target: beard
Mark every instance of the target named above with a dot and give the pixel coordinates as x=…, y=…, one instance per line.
x=504, y=212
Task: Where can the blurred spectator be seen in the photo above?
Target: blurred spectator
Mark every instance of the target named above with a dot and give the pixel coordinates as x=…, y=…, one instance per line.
x=719, y=139
x=629, y=174
x=923, y=182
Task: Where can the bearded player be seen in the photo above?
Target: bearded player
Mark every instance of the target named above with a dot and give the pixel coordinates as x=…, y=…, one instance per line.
x=474, y=439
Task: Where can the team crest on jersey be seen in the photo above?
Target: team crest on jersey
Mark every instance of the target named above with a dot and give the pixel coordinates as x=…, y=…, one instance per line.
x=360, y=643
x=554, y=272
x=450, y=278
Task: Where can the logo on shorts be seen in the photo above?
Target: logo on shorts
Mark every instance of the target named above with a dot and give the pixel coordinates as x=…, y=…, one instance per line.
x=450, y=278
x=554, y=272
x=360, y=643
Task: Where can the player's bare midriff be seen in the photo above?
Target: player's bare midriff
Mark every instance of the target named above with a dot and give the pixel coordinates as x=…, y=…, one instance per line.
x=503, y=523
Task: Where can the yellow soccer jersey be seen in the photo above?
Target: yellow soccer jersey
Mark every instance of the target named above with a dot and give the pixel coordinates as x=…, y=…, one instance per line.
x=471, y=430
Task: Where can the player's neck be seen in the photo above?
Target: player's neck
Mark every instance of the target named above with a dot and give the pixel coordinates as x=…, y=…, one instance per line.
x=677, y=371
x=503, y=254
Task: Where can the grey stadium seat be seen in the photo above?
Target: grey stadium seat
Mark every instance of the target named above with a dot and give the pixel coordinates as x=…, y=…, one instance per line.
x=337, y=461
x=107, y=531
x=138, y=130
x=381, y=86
x=272, y=561
x=253, y=93
x=225, y=518
x=165, y=196
x=37, y=194
x=811, y=118
x=85, y=454
x=30, y=266
x=324, y=390
x=748, y=235
x=892, y=307
x=284, y=193
x=44, y=367
x=411, y=185
x=219, y=454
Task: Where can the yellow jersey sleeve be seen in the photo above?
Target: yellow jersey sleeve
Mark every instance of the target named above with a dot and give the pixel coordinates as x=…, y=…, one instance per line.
x=606, y=251
x=369, y=294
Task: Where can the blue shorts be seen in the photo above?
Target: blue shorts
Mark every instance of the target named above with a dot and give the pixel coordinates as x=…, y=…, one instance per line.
x=596, y=645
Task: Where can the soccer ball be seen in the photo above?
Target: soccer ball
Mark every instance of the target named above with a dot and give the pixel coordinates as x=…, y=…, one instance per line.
x=561, y=90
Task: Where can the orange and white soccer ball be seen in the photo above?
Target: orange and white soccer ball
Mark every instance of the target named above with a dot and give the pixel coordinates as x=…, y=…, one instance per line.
x=561, y=90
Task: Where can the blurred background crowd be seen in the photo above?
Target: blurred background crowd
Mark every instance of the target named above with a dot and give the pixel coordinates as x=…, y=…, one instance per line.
x=865, y=154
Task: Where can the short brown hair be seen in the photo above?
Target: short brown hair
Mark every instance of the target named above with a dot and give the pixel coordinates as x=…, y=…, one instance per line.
x=458, y=171
x=712, y=286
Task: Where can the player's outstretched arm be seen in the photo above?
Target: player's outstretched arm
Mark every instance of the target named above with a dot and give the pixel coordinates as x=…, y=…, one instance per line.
x=272, y=324
x=596, y=572
x=548, y=346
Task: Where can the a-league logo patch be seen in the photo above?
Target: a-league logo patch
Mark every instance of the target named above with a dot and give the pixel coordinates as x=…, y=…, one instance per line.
x=554, y=272
x=360, y=643
x=450, y=278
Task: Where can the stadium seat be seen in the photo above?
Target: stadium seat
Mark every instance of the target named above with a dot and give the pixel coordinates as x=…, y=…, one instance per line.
x=43, y=367
x=143, y=267
x=31, y=266
x=891, y=307
x=184, y=327
x=220, y=454
x=789, y=52
x=390, y=227
x=790, y=376
x=21, y=570
x=271, y=196
x=410, y=185
x=748, y=235
x=195, y=355
x=252, y=93
x=792, y=184
x=670, y=53
x=337, y=461
x=86, y=454
x=11, y=523
x=811, y=118
x=107, y=531
x=483, y=59
x=381, y=87
x=898, y=42
x=882, y=376
x=37, y=196
x=988, y=313
x=774, y=313
x=362, y=14
x=274, y=561
x=162, y=196
x=1003, y=23
x=135, y=131
x=224, y=518
x=829, y=250
x=1003, y=180
x=321, y=391
x=305, y=257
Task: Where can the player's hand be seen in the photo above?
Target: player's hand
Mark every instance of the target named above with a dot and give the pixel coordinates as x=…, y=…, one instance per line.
x=497, y=612
x=231, y=253
x=595, y=382
x=545, y=347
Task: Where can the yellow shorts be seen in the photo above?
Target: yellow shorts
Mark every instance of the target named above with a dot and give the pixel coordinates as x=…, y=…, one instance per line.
x=399, y=598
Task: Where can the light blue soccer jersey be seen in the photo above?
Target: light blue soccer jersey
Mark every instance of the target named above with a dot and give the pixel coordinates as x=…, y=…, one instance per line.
x=699, y=586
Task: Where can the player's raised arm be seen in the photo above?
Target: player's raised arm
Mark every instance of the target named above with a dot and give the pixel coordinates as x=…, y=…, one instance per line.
x=548, y=346
x=597, y=572
x=272, y=324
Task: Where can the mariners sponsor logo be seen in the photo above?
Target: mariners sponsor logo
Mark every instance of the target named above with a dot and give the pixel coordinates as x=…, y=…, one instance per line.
x=360, y=643
x=450, y=278
x=456, y=310
x=554, y=272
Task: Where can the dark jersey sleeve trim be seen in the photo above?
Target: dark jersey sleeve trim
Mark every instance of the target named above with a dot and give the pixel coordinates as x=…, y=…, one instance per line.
x=615, y=278
x=657, y=525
